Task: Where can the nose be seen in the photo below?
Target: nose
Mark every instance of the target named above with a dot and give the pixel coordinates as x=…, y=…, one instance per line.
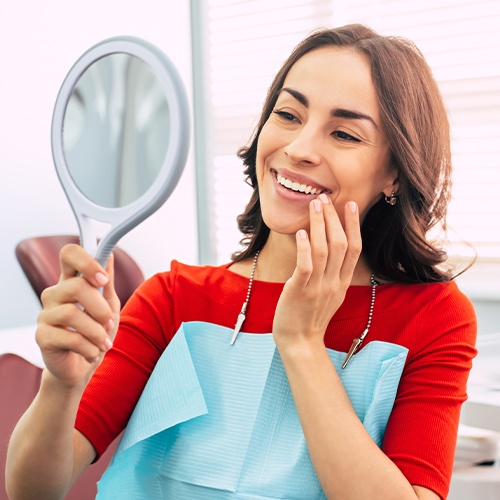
x=304, y=147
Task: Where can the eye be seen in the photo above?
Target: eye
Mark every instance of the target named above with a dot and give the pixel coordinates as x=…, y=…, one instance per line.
x=343, y=136
x=285, y=115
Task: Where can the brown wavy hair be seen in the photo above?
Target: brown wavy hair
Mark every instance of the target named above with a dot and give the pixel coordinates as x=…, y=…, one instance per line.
x=395, y=242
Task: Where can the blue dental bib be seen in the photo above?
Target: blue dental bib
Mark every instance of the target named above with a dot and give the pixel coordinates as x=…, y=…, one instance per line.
x=218, y=422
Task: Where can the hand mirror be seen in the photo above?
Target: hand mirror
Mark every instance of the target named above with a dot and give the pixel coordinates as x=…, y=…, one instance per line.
x=120, y=137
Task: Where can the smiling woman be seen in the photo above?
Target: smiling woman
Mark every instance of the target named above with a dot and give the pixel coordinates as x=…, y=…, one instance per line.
x=352, y=347
x=369, y=100
x=460, y=41
x=359, y=118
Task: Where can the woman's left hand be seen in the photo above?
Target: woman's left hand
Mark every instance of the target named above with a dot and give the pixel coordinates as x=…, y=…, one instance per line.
x=325, y=265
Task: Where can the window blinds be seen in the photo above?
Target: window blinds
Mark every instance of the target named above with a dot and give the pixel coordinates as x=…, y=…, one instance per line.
x=243, y=43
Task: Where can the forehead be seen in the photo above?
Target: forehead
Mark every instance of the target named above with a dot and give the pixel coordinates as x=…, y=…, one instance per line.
x=337, y=77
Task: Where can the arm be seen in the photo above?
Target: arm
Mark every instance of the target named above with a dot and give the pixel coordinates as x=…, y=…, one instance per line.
x=46, y=455
x=348, y=463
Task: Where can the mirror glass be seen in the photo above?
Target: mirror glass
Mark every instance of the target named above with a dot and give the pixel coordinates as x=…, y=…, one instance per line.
x=114, y=130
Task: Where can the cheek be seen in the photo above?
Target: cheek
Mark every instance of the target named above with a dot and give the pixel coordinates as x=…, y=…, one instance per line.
x=374, y=173
x=261, y=146
x=363, y=188
x=265, y=148
x=259, y=169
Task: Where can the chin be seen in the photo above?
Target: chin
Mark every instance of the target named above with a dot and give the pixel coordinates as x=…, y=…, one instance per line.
x=283, y=226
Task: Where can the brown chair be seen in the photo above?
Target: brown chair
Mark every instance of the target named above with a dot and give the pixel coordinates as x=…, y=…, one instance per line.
x=39, y=259
x=20, y=383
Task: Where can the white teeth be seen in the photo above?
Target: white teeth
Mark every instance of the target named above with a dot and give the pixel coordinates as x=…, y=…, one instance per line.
x=296, y=186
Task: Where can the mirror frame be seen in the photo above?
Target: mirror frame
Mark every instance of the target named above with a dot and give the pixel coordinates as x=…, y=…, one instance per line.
x=123, y=219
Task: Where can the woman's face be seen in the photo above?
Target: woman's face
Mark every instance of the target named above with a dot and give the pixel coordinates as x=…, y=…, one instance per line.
x=323, y=135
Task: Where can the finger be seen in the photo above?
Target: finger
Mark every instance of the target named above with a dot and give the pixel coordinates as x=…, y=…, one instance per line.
x=75, y=260
x=318, y=241
x=303, y=270
x=70, y=317
x=80, y=293
x=336, y=238
x=52, y=339
x=354, y=241
x=109, y=292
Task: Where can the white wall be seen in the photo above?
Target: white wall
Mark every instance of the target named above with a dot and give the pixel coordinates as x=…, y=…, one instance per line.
x=39, y=42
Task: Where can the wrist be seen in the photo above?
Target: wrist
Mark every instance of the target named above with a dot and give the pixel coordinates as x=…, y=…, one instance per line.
x=51, y=385
x=301, y=347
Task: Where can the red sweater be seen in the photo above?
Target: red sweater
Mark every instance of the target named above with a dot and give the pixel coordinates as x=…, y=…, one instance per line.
x=436, y=322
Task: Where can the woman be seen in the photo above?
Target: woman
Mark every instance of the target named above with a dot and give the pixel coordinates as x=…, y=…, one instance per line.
x=357, y=392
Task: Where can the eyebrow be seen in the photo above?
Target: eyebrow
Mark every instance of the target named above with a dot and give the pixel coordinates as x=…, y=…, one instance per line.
x=335, y=112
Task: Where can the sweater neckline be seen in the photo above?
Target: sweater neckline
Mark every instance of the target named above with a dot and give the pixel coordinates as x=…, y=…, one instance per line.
x=279, y=284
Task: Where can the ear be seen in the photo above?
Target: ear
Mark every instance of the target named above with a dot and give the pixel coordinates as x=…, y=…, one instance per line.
x=392, y=184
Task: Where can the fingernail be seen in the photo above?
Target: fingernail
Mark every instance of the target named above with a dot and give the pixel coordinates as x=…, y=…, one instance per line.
x=324, y=198
x=317, y=205
x=108, y=344
x=302, y=234
x=101, y=278
x=110, y=325
x=353, y=207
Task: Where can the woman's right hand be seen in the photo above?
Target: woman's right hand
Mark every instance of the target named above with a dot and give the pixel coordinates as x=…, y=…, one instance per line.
x=78, y=323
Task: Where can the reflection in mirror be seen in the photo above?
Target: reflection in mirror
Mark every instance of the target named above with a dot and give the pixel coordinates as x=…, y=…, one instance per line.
x=113, y=132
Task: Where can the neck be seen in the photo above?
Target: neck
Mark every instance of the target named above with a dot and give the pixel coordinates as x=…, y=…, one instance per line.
x=277, y=259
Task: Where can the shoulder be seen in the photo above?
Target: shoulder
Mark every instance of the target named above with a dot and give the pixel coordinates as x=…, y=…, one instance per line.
x=194, y=273
x=429, y=312
x=444, y=297
x=447, y=301
x=448, y=318
x=182, y=276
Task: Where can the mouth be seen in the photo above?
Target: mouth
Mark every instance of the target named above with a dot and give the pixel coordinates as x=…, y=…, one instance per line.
x=300, y=187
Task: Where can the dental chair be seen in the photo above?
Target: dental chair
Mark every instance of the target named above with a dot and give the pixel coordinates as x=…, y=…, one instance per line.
x=20, y=383
x=39, y=260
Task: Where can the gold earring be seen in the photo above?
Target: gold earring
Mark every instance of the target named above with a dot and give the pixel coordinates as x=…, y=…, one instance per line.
x=393, y=199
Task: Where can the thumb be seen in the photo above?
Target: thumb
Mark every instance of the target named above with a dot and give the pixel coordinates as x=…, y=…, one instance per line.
x=109, y=292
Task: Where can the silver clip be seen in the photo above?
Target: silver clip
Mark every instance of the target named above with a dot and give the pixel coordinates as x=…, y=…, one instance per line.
x=354, y=347
x=356, y=344
x=237, y=328
x=239, y=322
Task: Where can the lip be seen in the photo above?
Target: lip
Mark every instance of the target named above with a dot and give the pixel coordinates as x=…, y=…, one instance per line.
x=301, y=179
